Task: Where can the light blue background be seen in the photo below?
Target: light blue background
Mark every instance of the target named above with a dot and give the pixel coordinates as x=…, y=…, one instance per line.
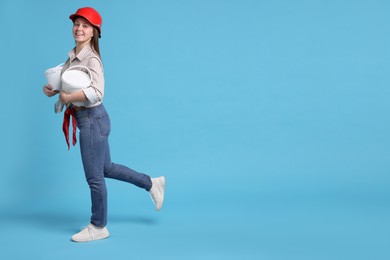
x=269, y=119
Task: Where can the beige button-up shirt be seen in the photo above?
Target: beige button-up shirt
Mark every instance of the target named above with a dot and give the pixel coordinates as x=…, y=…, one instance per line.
x=91, y=60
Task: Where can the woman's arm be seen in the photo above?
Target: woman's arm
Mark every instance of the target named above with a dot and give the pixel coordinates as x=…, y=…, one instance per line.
x=78, y=96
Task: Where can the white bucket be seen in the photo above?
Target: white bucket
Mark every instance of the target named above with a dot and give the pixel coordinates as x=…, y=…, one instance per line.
x=74, y=80
x=53, y=76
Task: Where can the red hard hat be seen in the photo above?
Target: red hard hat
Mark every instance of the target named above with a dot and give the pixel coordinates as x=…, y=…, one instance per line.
x=91, y=15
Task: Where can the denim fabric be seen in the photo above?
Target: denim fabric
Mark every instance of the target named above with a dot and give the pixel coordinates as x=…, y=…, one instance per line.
x=94, y=126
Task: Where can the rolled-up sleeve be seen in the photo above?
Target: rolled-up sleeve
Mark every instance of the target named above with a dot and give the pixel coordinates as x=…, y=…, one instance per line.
x=95, y=92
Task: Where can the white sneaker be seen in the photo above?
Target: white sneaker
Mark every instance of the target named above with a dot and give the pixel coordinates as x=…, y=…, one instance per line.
x=90, y=233
x=157, y=191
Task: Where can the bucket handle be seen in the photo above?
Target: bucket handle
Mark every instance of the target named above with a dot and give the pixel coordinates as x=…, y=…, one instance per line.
x=82, y=67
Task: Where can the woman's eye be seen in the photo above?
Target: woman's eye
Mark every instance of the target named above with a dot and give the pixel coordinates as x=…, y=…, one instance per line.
x=85, y=26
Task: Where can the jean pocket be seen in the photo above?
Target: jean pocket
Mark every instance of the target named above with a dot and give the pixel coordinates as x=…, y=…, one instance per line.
x=104, y=125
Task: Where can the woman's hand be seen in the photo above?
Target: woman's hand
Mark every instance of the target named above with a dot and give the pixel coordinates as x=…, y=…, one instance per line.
x=64, y=97
x=48, y=90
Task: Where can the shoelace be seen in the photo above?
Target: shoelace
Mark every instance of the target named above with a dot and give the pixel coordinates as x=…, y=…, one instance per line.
x=90, y=231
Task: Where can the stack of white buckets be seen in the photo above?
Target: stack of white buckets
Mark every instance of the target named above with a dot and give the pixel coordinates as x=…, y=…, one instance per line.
x=73, y=79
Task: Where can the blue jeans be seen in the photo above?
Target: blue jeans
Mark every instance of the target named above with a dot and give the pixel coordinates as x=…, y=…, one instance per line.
x=94, y=125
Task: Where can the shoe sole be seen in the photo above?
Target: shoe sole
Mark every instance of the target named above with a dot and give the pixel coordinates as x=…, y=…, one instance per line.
x=161, y=189
x=84, y=241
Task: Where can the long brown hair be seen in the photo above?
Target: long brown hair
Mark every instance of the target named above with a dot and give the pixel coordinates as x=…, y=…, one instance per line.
x=95, y=41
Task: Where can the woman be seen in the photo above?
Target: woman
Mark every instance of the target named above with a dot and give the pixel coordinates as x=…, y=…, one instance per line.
x=94, y=125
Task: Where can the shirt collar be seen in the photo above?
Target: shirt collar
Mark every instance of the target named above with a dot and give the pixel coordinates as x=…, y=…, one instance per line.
x=84, y=53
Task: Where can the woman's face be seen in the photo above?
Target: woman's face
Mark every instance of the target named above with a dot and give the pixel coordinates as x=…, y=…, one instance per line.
x=82, y=30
